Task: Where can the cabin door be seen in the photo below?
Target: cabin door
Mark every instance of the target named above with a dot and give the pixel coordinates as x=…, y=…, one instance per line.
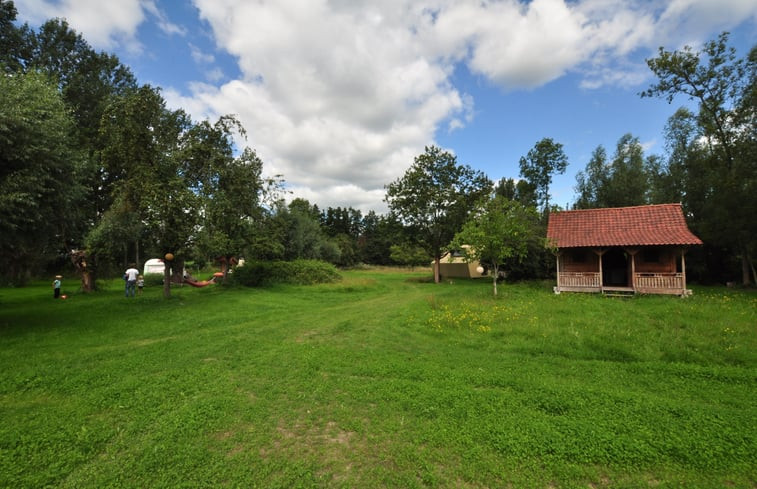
x=615, y=268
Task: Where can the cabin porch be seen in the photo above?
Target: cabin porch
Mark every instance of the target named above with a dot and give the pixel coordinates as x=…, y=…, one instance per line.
x=649, y=270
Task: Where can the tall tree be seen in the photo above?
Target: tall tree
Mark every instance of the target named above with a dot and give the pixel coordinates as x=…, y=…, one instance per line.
x=591, y=183
x=499, y=230
x=88, y=81
x=542, y=161
x=38, y=173
x=628, y=183
x=672, y=180
x=624, y=181
x=435, y=196
x=723, y=86
x=14, y=41
x=142, y=152
x=380, y=232
x=231, y=188
x=520, y=191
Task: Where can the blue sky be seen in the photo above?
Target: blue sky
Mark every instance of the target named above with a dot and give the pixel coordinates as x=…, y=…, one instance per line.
x=339, y=96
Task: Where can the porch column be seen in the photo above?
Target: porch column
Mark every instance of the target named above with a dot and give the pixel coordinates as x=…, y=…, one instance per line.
x=683, y=271
x=557, y=257
x=633, y=252
x=599, y=253
x=633, y=272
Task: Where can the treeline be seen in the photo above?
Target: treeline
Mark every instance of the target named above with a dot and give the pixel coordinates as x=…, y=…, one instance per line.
x=93, y=161
x=710, y=165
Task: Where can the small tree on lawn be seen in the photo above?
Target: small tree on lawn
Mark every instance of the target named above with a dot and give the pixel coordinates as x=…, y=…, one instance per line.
x=499, y=230
x=434, y=197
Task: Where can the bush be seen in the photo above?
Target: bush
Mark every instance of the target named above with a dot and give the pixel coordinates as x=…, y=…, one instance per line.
x=154, y=280
x=298, y=272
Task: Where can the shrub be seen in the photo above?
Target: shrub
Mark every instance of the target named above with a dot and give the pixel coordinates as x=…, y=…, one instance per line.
x=154, y=280
x=298, y=272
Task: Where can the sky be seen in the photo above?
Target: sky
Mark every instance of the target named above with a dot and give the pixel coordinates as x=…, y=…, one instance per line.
x=340, y=96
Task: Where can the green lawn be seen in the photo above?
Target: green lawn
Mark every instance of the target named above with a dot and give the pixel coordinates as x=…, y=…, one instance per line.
x=382, y=380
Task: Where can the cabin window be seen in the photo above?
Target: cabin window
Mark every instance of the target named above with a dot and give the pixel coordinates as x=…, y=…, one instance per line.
x=651, y=256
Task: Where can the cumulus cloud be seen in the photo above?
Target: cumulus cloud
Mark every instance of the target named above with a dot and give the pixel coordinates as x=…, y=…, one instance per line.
x=104, y=24
x=339, y=96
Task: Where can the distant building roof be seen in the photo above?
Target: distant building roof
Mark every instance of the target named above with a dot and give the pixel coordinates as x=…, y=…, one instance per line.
x=646, y=225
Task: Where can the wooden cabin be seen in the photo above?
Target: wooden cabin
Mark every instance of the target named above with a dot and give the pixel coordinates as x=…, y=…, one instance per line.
x=621, y=250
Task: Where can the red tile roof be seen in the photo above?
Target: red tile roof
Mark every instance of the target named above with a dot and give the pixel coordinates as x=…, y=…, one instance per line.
x=646, y=225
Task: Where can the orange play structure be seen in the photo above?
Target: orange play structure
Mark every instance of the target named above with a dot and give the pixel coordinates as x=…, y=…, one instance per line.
x=189, y=280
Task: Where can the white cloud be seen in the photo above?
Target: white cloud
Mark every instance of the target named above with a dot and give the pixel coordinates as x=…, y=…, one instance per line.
x=339, y=96
x=104, y=24
x=162, y=21
x=199, y=56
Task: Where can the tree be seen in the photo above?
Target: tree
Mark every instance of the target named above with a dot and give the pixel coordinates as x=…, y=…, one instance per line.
x=724, y=88
x=622, y=182
x=499, y=230
x=14, y=46
x=591, y=183
x=541, y=162
x=628, y=183
x=380, y=232
x=142, y=152
x=88, y=81
x=435, y=197
x=38, y=173
x=300, y=233
x=231, y=189
x=671, y=180
x=520, y=191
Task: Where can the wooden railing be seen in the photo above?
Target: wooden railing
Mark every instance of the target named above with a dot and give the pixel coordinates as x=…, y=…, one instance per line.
x=656, y=281
x=579, y=279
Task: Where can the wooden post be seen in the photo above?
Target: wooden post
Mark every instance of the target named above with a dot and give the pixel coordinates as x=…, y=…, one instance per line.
x=633, y=272
x=633, y=252
x=683, y=271
x=600, y=253
x=557, y=256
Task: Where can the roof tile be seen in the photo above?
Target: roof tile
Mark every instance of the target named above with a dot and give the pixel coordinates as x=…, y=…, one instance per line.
x=647, y=225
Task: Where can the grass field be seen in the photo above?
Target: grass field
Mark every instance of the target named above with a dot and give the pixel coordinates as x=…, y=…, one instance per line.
x=382, y=380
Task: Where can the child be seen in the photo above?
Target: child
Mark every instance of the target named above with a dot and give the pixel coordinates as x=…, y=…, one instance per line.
x=56, y=286
x=140, y=284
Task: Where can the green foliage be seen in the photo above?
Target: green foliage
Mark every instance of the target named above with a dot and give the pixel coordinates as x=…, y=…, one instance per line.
x=499, y=230
x=624, y=181
x=38, y=173
x=299, y=272
x=379, y=380
x=714, y=150
x=435, y=196
x=408, y=254
x=545, y=159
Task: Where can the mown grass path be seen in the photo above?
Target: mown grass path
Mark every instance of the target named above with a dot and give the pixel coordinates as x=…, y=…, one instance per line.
x=382, y=380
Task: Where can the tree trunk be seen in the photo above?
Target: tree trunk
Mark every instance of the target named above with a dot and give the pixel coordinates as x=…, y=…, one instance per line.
x=177, y=268
x=745, y=269
x=437, y=269
x=167, y=279
x=83, y=264
x=494, y=282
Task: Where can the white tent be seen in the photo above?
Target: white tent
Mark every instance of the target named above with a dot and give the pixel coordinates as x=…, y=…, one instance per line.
x=154, y=265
